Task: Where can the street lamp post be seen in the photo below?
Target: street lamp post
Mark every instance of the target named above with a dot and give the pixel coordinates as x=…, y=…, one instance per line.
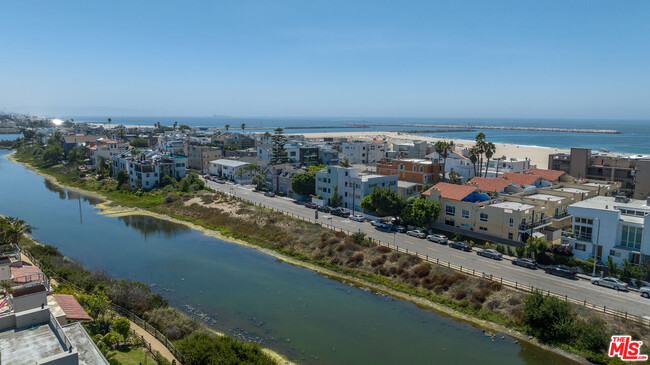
x=394, y=238
x=596, y=246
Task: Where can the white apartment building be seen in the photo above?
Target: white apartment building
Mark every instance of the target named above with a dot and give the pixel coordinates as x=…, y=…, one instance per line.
x=351, y=185
x=457, y=162
x=103, y=150
x=515, y=165
x=363, y=152
x=146, y=167
x=610, y=226
x=228, y=170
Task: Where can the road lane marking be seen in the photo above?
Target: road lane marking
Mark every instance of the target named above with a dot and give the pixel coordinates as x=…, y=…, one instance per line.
x=530, y=276
x=496, y=267
x=407, y=241
x=432, y=249
x=568, y=286
x=460, y=257
x=607, y=296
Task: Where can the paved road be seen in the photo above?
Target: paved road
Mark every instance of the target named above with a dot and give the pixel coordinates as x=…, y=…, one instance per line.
x=579, y=289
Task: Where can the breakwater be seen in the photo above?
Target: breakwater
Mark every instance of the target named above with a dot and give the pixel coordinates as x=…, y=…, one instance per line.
x=459, y=128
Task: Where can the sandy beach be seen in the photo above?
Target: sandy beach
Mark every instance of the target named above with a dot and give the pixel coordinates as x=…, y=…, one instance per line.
x=537, y=155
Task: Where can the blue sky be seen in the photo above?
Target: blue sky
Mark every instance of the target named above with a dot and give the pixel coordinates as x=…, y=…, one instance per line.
x=529, y=59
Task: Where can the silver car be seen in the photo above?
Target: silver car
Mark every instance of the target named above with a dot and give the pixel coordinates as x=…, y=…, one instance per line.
x=438, y=238
x=610, y=283
x=417, y=233
x=645, y=291
x=357, y=217
x=490, y=253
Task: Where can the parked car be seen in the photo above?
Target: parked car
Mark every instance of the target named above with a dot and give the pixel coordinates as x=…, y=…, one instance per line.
x=417, y=233
x=396, y=228
x=340, y=212
x=562, y=270
x=438, y=238
x=324, y=209
x=645, y=291
x=357, y=218
x=269, y=194
x=490, y=253
x=311, y=205
x=460, y=245
x=525, y=263
x=376, y=222
x=610, y=283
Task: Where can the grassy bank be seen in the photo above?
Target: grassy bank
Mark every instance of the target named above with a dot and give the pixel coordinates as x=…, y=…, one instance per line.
x=584, y=332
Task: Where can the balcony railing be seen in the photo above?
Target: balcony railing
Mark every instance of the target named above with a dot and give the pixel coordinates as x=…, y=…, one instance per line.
x=560, y=215
x=533, y=225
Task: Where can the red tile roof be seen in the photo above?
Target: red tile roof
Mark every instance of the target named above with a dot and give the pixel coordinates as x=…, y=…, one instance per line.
x=451, y=191
x=520, y=179
x=488, y=184
x=71, y=307
x=549, y=175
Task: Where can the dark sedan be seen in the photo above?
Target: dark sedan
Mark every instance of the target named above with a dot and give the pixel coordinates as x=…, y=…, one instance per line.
x=324, y=209
x=525, y=263
x=311, y=205
x=460, y=246
x=561, y=270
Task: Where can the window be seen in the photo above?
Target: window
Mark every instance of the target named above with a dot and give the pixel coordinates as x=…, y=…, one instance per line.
x=583, y=228
x=511, y=222
x=482, y=229
x=614, y=253
x=581, y=247
x=450, y=210
x=465, y=214
x=510, y=235
x=483, y=217
x=421, y=168
x=631, y=237
x=415, y=169
x=401, y=166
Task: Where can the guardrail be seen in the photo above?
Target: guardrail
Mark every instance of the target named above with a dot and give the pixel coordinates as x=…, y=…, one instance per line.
x=511, y=284
x=67, y=345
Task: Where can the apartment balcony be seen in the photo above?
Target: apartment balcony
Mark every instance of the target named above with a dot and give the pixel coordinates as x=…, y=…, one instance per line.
x=524, y=227
x=561, y=215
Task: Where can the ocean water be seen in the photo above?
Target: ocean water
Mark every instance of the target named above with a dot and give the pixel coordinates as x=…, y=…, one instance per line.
x=634, y=136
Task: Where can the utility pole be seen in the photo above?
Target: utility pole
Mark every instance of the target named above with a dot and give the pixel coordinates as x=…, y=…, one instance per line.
x=596, y=246
x=354, y=186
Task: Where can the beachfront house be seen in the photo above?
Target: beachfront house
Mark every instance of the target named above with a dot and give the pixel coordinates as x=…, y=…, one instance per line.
x=350, y=185
x=610, y=226
x=103, y=150
x=413, y=170
x=146, y=168
x=457, y=162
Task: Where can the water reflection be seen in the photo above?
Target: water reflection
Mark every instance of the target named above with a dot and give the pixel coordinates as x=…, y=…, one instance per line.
x=70, y=195
x=149, y=225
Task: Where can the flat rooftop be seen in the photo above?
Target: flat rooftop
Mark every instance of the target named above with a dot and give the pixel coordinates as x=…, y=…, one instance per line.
x=572, y=190
x=596, y=184
x=513, y=206
x=545, y=197
x=28, y=345
x=610, y=203
x=89, y=354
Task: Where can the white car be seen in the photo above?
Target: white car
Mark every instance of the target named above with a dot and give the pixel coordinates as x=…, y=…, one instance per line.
x=417, y=233
x=357, y=217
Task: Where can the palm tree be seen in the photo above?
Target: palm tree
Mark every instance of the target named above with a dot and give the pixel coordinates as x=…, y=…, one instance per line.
x=489, y=150
x=243, y=126
x=227, y=127
x=109, y=123
x=16, y=228
x=442, y=148
x=175, y=124
x=480, y=143
x=473, y=156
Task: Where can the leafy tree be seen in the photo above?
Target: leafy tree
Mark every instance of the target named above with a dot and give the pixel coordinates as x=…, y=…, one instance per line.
x=123, y=327
x=278, y=152
x=547, y=318
x=122, y=177
x=97, y=303
x=203, y=348
x=53, y=154
x=535, y=246
x=420, y=213
x=454, y=178
x=29, y=134
x=345, y=162
x=259, y=180
x=77, y=156
x=139, y=143
x=171, y=322
x=335, y=199
x=384, y=202
x=303, y=183
x=183, y=127
x=168, y=180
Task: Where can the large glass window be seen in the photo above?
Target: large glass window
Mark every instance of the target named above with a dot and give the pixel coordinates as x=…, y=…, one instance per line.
x=631, y=237
x=465, y=213
x=450, y=210
x=483, y=217
x=583, y=228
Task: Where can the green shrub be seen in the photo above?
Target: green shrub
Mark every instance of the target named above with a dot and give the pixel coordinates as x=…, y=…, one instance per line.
x=171, y=322
x=547, y=318
x=204, y=348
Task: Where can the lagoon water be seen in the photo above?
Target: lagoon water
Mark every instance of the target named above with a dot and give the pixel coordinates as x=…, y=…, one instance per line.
x=247, y=294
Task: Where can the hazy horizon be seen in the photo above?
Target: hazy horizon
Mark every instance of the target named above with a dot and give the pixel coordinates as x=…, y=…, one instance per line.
x=509, y=59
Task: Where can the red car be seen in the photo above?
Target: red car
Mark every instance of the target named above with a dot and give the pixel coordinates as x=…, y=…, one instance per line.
x=311, y=205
